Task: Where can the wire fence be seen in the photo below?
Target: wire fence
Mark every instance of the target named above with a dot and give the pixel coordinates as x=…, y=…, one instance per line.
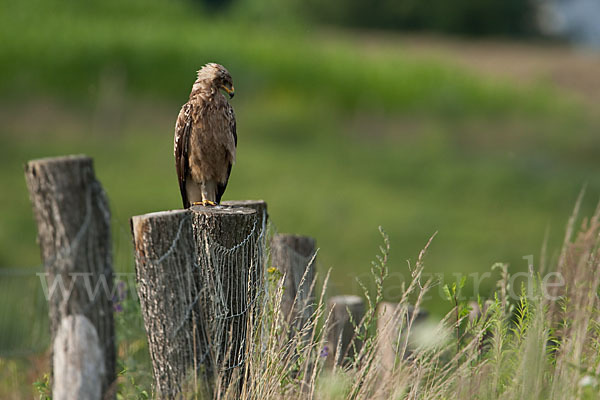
x=24, y=328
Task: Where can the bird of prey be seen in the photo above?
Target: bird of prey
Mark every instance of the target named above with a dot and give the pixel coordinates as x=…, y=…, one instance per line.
x=206, y=138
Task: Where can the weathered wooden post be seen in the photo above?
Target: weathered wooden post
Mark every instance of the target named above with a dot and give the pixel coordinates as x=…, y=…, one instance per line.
x=346, y=312
x=199, y=276
x=294, y=257
x=73, y=220
x=393, y=323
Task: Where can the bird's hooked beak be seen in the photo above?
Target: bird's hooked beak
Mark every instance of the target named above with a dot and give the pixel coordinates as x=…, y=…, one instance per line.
x=230, y=92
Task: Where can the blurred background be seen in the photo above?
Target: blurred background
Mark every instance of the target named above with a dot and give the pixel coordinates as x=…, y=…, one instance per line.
x=476, y=119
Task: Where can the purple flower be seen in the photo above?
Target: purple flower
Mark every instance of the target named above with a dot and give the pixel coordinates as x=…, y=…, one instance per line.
x=117, y=307
x=324, y=352
x=121, y=290
x=119, y=297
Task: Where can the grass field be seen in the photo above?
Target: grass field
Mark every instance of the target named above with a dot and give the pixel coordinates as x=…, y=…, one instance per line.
x=337, y=140
x=338, y=135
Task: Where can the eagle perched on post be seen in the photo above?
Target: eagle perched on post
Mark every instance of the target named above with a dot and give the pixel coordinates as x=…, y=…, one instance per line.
x=206, y=138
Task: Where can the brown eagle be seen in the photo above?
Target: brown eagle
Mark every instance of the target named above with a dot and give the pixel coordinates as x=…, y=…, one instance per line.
x=206, y=138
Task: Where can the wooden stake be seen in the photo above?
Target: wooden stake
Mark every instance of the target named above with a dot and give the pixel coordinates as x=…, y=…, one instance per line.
x=346, y=312
x=203, y=264
x=392, y=325
x=73, y=220
x=294, y=257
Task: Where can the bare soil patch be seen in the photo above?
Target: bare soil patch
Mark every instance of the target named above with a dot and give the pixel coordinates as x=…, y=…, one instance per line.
x=576, y=71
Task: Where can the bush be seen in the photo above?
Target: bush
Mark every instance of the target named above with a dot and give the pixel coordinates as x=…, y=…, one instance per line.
x=470, y=17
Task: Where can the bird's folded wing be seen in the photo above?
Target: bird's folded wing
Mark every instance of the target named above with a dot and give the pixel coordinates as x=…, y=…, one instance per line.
x=183, y=128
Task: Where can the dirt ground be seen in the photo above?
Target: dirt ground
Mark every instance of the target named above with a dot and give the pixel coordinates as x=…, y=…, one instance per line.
x=575, y=70
x=572, y=69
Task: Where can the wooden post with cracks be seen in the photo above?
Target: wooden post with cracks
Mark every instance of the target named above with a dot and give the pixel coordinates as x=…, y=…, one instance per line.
x=198, y=278
x=73, y=221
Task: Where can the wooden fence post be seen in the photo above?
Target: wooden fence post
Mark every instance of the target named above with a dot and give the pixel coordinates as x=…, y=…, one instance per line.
x=73, y=220
x=199, y=275
x=294, y=257
x=340, y=343
x=392, y=323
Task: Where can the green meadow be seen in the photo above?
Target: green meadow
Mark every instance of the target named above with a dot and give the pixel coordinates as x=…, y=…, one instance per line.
x=338, y=136
x=339, y=131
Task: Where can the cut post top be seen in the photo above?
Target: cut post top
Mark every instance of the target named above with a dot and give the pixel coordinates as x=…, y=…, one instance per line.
x=243, y=203
x=181, y=213
x=221, y=210
x=78, y=158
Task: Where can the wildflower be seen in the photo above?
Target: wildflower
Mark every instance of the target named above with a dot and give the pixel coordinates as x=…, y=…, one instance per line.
x=324, y=352
x=121, y=290
x=121, y=294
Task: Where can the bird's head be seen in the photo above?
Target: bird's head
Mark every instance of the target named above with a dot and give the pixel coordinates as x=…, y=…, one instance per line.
x=218, y=77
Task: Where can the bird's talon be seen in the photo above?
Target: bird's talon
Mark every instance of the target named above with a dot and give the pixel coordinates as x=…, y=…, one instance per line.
x=204, y=203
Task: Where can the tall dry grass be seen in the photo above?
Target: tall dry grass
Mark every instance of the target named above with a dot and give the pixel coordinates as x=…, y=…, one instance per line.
x=543, y=344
